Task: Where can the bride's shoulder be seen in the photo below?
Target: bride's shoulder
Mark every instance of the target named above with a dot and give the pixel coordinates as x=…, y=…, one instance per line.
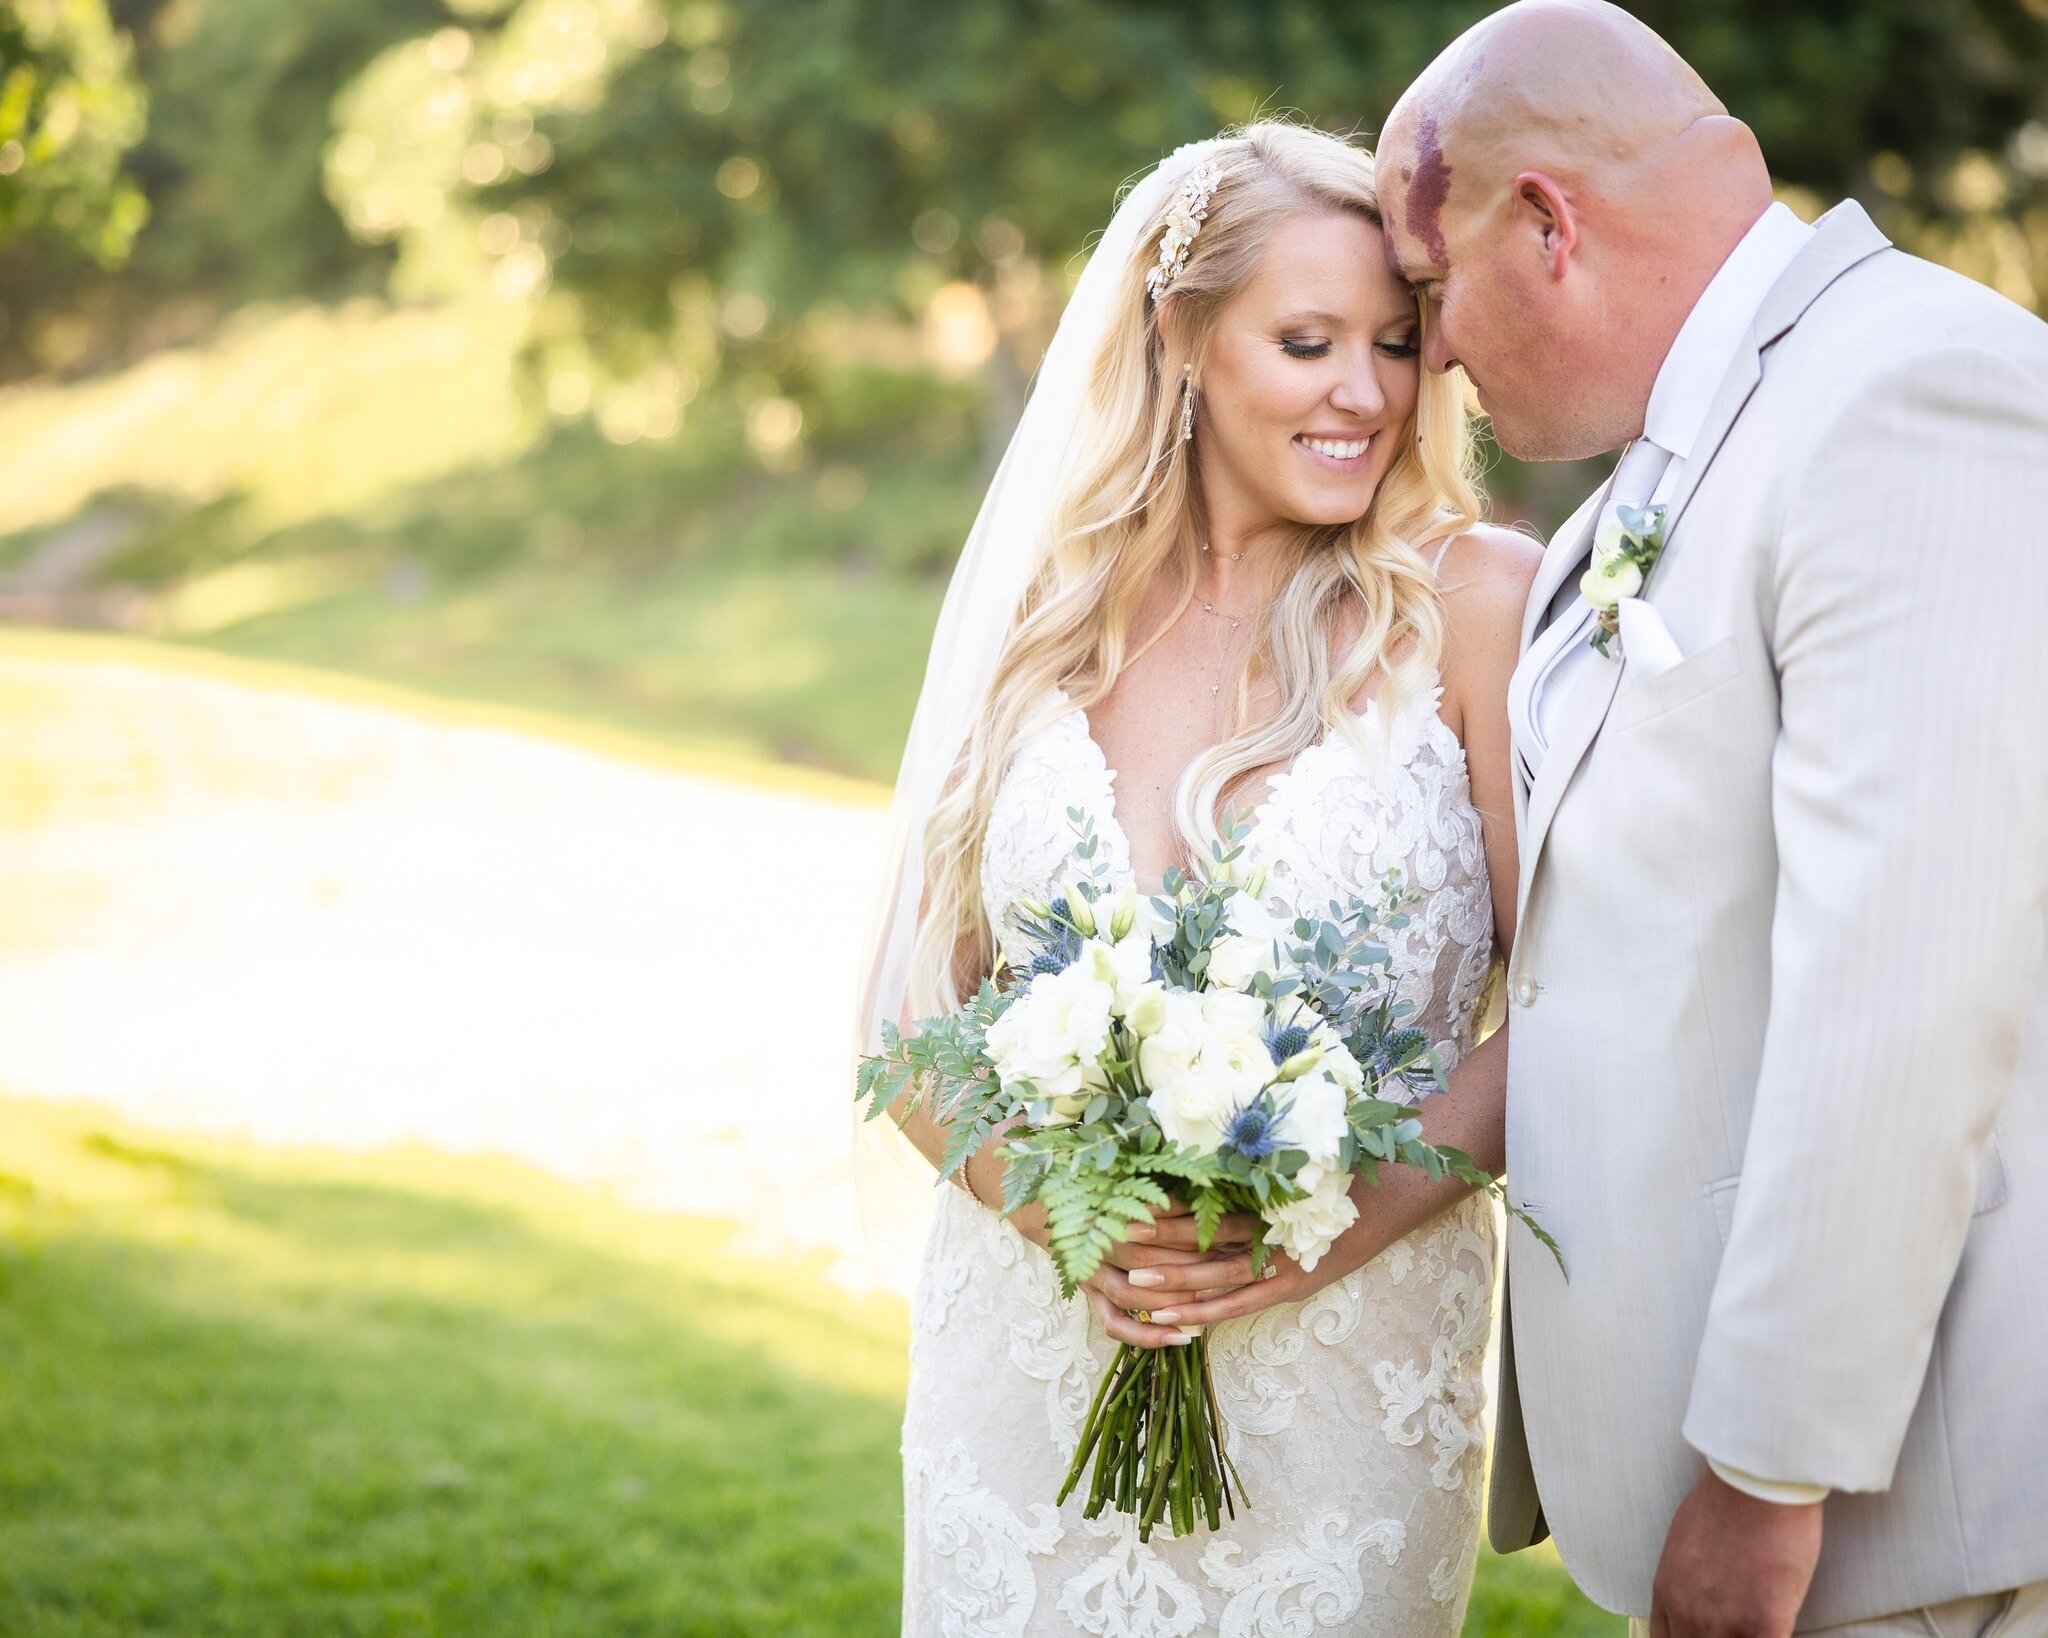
x=1486, y=563
x=1483, y=577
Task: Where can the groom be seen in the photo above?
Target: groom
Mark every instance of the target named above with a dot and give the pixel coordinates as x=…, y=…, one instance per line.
x=1779, y=1016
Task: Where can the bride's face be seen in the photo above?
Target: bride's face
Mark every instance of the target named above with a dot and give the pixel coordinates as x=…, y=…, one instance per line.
x=1310, y=383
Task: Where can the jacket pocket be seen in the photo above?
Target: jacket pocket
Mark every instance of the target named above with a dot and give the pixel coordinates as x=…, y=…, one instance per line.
x=1721, y=1196
x=1638, y=702
x=1990, y=1195
x=1990, y=1178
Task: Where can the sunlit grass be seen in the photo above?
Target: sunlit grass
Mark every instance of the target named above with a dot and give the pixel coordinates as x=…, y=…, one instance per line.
x=364, y=489
x=251, y=1392
x=289, y=414
x=778, y=662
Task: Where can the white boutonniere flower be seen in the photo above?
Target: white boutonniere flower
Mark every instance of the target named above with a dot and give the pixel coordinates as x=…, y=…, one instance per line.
x=1626, y=547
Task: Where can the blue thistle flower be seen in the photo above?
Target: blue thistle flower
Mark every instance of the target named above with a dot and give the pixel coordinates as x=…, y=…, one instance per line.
x=1285, y=1043
x=1251, y=1132
x=1046, y=961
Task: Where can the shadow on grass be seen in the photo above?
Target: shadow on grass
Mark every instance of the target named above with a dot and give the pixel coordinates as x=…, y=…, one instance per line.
x=258, y=1393
x=248, y=1401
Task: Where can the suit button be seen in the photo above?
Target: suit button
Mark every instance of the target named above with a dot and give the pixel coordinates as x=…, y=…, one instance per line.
x=1523, y=988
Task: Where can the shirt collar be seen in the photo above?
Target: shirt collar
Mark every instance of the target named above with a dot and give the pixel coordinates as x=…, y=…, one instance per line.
x=1707, y=342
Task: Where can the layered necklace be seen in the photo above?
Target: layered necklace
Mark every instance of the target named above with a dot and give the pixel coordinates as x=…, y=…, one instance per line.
x=1214, y=613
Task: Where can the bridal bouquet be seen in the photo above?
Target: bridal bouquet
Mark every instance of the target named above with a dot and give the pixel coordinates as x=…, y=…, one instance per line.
x=1194, y=1048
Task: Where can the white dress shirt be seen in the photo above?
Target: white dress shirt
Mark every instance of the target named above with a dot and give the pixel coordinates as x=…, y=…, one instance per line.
x=1680, y=400
x=1562, y=652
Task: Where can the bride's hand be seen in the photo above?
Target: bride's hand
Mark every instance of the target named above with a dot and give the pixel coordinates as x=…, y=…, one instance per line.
x=1284, y=1280
x=1160, y=1262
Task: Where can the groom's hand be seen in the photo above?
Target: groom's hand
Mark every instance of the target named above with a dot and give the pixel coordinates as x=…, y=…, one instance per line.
x=1733, y=1566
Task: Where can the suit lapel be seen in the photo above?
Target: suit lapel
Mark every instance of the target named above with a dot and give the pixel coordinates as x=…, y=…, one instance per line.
x=1846, y=236
x=1567, y=547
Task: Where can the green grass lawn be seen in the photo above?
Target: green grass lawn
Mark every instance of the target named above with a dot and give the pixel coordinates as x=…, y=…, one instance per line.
x=247, y=1392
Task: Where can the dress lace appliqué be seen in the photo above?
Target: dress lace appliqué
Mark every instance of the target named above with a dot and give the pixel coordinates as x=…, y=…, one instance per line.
x=1353, y=1417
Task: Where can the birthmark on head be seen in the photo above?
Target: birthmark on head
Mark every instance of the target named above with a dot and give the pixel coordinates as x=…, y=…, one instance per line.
x=1429, y=187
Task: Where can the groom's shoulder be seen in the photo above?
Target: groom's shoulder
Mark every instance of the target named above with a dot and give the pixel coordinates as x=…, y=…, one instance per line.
x=1895, y=309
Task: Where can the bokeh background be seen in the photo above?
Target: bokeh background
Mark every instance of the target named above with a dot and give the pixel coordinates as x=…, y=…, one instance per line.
x=476, y=479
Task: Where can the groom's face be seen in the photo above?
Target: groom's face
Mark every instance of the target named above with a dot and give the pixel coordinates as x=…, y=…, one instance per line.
x=1486, y=307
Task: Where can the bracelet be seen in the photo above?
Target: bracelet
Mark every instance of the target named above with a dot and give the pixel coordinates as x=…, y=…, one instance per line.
x=966, y=1175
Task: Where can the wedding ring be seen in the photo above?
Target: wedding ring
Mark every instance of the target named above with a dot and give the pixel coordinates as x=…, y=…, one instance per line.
x=1269, y=1271
x=1142, y=1315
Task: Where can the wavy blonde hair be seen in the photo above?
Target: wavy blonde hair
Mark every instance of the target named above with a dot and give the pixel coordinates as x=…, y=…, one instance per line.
x=1131, y=511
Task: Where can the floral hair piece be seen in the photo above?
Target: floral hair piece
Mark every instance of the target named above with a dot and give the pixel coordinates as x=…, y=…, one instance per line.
x=1183, y=222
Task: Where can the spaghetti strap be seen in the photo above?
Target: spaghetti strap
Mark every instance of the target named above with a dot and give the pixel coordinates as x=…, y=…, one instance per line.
x=1436, y=568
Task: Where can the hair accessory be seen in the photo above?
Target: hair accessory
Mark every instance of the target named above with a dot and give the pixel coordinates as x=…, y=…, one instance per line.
x=1190, y=210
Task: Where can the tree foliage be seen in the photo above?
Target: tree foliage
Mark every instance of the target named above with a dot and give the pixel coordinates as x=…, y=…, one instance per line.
x=69, y=109
x=227, y=173
x=651, y=160
x=863, y=150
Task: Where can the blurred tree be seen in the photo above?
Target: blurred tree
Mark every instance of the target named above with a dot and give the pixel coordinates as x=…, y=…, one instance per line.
x=701, y=178
x=69, y=109
x=696, y=179
x=239, y=98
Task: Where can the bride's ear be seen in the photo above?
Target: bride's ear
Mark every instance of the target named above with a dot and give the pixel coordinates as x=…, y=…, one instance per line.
x=1173, y=335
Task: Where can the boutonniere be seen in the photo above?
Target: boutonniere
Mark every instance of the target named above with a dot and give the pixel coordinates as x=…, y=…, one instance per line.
x=1625, y=549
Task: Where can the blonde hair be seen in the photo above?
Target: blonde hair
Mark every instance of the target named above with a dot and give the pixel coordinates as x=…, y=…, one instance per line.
x=1130, y=511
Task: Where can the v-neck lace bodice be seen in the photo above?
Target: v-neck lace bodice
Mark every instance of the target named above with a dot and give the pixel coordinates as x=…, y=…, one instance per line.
x=1332, y=825
x=1354, y=1417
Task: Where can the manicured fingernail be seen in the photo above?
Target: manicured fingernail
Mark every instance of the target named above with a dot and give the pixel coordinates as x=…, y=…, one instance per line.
x=1165, y=1316
x=1141, y=1231
x=1147, y=1276
x=1179, y=1339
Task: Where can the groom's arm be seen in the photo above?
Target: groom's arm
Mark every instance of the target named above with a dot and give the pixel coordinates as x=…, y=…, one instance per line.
x=1910, y=781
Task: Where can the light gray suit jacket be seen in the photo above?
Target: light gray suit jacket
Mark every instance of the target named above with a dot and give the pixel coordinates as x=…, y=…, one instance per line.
x=1778, y=1076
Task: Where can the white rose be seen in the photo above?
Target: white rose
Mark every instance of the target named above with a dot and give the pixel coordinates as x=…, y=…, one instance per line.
x=1171, y=1031
x=1609, y=580
x=1256, y=941
x=1312, y=1118
x=1305, y=1229
x=1247, y=913
x=1146, y=1013
x=1125, y=966
x=1156, y=927
x=1054, y=1034
x=1193, y=1109
x=1194, y=1099
x=1238, y=958
x=1235, y=1014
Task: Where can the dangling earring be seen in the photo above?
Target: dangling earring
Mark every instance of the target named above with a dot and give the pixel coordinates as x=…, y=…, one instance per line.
x=1187, y=402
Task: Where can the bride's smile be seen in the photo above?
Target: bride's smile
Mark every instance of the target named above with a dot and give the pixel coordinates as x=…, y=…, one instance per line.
x=1312, y=372
x=1344, y=454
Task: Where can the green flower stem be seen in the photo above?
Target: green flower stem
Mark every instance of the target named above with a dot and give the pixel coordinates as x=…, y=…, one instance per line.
x=1154, y=1435
x=1227, y=1470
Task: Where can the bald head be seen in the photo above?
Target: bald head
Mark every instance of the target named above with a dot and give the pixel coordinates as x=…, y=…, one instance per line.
x=1574, y=85
x=1564, y=142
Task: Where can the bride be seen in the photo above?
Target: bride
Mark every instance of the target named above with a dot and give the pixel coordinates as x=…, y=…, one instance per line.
x=1231, y=564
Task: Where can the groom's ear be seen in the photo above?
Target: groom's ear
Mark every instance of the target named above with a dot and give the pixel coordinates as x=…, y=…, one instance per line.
x=1542, y=210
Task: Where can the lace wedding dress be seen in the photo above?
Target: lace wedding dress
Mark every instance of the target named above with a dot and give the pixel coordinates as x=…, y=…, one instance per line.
x=1353, y=1417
